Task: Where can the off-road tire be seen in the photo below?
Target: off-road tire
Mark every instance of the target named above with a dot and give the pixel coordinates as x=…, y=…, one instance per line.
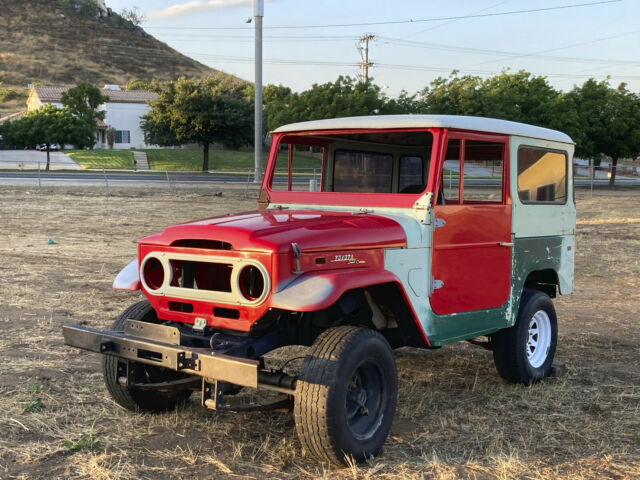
x=135, y=399
x=512, y=352
x=327, y=389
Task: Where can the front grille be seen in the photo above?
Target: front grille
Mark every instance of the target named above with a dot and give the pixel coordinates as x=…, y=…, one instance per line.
x=214, y=277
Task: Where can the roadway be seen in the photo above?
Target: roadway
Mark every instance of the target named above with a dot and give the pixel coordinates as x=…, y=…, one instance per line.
x=158, y=179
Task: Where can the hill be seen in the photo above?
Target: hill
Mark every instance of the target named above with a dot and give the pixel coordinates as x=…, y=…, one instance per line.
x=65, y=42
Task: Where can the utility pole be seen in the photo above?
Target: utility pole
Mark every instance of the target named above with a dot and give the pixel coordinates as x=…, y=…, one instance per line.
x=365, y=64
x=258, y=13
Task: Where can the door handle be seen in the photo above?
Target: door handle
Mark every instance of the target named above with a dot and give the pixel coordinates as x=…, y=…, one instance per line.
x=506, y=244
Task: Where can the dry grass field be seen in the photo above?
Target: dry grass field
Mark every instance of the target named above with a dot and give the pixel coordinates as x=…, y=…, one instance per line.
x=456, y=418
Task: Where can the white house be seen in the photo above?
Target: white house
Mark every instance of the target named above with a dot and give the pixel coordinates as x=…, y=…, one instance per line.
x=124, y=113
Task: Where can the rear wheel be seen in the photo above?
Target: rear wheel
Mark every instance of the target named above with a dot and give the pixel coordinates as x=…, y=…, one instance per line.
x=346, y=395
x=524, y=352
x=133, y=398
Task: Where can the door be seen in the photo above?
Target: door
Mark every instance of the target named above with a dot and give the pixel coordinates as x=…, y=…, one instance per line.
x=472, y=232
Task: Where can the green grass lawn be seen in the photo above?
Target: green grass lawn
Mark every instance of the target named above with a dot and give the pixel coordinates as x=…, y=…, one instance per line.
x=221, y=160
x=192, y=160
x=108, y=159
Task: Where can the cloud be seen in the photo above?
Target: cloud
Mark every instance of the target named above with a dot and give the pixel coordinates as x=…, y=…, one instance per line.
x=196, y=6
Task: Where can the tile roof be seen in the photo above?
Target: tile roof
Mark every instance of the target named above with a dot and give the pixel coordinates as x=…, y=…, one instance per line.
x=54, y=94
x=12, y=116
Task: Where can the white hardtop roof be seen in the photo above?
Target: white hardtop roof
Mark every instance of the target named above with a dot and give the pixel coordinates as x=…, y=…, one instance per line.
x=480, y=124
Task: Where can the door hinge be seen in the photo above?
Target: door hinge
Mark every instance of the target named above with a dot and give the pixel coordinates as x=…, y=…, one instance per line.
x=436, y=284
x=439, y=222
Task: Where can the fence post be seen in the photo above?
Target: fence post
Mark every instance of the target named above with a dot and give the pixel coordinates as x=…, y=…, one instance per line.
x=106, y=181
x=592, y=174
x=168, y=181
x=246, y=188
x=39, y=181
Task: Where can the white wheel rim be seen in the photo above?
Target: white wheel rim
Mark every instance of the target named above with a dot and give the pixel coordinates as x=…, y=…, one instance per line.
x=539, y=339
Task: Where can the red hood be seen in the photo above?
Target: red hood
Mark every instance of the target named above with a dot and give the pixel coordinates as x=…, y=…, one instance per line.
x=275, y=230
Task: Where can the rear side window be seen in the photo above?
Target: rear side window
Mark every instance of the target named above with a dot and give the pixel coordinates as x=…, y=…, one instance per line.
x=542, y=176
x=365, y=172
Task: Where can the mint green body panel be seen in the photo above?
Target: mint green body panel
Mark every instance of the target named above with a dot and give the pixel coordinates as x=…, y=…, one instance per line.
x=527, y=255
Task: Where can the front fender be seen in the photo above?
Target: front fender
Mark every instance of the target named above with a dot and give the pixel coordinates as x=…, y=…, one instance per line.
x=319, y=290
x=128, y=278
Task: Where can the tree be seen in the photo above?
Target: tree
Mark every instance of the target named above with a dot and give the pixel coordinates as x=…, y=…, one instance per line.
x=46, y=126
x=609, y=122
x=148, y=85
x=343, y=98
x=111, y=137
x=133, y=15
x=215, y=109
x=452, y=96
x=83, y=102
x=519, y=97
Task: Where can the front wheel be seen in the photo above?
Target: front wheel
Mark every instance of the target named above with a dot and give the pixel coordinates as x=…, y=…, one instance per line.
x=137, y=399
x=346, y=395
x=524, y=352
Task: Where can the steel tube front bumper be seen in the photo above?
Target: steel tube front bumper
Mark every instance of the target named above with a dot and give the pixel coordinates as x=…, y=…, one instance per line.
x=159, y=345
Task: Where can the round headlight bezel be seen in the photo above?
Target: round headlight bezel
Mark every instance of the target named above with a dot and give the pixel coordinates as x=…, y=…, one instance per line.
x=148, y=282
x=252, y=283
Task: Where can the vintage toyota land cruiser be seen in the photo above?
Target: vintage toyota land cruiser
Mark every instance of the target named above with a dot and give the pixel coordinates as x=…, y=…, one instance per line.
x=419, y=231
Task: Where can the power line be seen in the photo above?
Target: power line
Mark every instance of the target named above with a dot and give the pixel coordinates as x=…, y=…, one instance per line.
x=390, y=66
x=512, y=55
x=453, y=21
x=491, y=72
x=396, y=22
x=580, y=44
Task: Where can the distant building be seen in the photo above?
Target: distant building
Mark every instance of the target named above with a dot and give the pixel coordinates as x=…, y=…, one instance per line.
x=124, y=113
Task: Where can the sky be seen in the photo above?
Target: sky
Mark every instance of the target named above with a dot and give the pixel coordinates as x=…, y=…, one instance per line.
x=415, y=41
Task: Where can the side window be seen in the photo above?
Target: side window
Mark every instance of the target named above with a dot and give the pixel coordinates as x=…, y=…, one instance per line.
x=306, y=163
x=411, y=174
x=281, y=173
x=451, y=172
x=366, y=172
x=542, y=176
x=483, y=166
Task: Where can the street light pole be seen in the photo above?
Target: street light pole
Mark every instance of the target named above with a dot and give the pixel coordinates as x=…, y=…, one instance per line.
x=258, y=13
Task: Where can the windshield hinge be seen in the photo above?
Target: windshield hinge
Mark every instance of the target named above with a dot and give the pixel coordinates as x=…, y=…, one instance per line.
x=364, y=211
x=424, y=202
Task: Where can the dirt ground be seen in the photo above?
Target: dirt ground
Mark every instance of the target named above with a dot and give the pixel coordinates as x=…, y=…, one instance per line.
x=456, y=418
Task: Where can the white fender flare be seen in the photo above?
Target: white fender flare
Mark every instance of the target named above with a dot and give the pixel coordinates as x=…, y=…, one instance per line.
x=128, y=278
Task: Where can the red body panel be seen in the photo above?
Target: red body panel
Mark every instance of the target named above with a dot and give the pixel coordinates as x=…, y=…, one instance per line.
x=468, y=257
x=471, y=252
x=329, y=242
x=275, y=230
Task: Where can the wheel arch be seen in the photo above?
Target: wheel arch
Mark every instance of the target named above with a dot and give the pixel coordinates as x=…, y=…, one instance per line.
x=380, y=289
x=545, y=280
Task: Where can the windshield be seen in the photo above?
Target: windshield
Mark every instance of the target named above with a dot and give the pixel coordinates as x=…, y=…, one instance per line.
x=362, y=162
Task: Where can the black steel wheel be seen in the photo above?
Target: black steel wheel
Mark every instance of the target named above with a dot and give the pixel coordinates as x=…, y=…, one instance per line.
x=524, y=353
x=346, y=395
x=132, y=398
